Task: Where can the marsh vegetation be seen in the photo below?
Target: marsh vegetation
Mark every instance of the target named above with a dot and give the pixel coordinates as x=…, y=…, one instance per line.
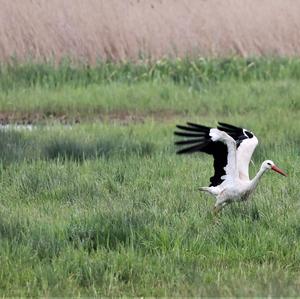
x=94, y=201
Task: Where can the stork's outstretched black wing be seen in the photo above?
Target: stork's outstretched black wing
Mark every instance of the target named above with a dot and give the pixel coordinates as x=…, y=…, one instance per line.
x=237, y=133
x=196, y=138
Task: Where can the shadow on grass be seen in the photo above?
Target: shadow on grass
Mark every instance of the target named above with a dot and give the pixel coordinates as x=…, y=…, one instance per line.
x=108, y=231
x=69, y=149
x=103, y=230
x=17, y=146
x=45, y=240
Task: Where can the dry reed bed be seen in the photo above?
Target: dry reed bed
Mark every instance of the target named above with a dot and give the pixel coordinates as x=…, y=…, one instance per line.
x=128, y=29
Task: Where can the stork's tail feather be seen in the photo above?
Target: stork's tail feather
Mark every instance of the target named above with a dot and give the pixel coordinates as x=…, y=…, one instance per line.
x=206, y=189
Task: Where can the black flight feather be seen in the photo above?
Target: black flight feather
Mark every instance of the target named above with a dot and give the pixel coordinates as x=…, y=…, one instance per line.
x=184, y=134
x=197, y=136
x=189, y=141
x=192, y=149
x=192, y=129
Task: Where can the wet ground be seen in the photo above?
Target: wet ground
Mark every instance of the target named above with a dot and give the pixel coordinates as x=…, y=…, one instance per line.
x=122, y=117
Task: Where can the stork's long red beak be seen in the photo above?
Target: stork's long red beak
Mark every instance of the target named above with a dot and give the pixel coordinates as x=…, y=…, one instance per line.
x=275, y=168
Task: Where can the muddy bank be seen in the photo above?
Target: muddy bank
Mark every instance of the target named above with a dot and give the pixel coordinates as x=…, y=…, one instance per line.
x=122, y=117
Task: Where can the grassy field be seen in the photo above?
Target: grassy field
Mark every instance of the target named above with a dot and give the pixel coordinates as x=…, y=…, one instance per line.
x=94, y=201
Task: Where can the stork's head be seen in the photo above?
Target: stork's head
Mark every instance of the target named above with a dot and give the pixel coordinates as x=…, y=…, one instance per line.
x=268, y=164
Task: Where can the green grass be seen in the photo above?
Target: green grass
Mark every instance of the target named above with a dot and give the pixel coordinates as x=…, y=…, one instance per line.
x=191, y=72
x=199, y=86
x=227, y=98
x=108, y=209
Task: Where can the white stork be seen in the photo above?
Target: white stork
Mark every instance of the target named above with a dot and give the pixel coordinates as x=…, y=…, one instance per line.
x=231, y=148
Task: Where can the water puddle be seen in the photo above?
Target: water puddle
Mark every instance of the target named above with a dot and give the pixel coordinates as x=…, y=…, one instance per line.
x=16, y=127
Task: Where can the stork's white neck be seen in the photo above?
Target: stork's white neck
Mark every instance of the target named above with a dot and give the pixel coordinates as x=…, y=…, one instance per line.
x=256, y=179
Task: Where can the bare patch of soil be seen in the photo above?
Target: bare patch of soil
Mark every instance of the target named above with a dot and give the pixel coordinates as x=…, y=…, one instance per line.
x=122, y=117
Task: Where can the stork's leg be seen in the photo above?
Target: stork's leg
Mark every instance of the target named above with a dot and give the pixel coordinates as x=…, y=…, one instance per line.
x=220, y=204
x=217, y=209
x=225, y=203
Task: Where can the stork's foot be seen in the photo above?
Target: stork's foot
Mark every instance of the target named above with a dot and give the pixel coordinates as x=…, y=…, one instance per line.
x=216, y=214
x=216, y=210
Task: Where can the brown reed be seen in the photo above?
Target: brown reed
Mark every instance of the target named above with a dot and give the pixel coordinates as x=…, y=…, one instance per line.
x=88, y=30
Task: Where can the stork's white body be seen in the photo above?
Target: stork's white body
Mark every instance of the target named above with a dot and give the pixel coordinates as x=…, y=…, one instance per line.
x=239, y=190
x=236, y=185
x=231, y=180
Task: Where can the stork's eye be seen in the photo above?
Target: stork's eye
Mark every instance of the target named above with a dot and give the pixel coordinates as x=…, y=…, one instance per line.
x=269, y=163
x=249, y=135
